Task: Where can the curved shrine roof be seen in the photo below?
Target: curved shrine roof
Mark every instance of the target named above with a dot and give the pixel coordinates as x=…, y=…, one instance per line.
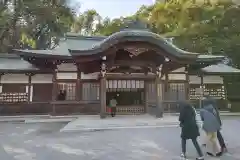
x=76, y=45
x=12, y=63
x=132, y=36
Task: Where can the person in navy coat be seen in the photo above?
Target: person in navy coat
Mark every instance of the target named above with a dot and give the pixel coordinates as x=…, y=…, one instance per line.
x=189, y=128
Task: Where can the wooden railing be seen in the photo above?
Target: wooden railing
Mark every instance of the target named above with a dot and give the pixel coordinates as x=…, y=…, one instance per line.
x=130, y=109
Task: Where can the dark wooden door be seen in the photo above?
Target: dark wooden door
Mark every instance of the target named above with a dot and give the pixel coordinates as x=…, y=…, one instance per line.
x=42, y=92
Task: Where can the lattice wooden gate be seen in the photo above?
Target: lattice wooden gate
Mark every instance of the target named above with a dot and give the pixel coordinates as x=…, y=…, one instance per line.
x=170, y=97
x=176, y=92
x=151, y=96
x=90, y=91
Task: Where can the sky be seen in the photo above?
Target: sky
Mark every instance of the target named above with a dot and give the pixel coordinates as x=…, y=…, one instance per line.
x=113, y=8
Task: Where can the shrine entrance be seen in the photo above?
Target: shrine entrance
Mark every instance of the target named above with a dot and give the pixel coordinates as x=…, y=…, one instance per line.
x=129, y=95
x=125, y=62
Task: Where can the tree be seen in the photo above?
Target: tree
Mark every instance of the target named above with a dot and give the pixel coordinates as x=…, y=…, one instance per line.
x=87, y=23
x=40, y=21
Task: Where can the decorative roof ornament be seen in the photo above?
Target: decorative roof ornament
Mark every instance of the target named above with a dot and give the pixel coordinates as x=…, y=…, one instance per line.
x=135, y=25
x=170, y=40
x=227, y=61
x=135, y=50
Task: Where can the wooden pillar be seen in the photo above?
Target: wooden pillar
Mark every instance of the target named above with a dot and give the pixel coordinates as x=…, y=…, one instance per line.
x=29, y=87
x=54, y=91
x=165, y=94
x=146, y=90
x=201, y=90
x=78, y=86
x=159, y=103
x=103, y=90
x=1, y=86
x=187, y=84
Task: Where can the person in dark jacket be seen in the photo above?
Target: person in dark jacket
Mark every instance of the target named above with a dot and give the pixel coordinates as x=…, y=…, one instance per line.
x=208, y=100
x=61, y=95
x=189, y=128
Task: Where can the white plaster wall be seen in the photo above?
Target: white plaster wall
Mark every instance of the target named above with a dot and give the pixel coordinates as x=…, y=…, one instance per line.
x=90, y=76
x=14, y=78
x=182, y=69
x=22, y=78
x=206, y=79
x=31, y=92
x=196, y=79
x=67, y=67
x=177, y=76
x=66, y=75
x=42, y=78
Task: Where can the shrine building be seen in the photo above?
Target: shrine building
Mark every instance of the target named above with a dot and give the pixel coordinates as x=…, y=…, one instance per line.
x=140, y=69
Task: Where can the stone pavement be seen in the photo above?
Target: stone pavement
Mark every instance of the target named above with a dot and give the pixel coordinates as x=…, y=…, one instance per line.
x=38, y=118
x=22, y=118
x=86, y=123
x=91, y=123
x=65, y=118
x=34, y=142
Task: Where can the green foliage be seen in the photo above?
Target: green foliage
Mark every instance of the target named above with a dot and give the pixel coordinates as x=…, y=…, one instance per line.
x=211, y=27
x=38, y=20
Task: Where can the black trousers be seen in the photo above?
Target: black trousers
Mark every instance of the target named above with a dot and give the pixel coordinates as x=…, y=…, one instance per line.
x=221, y=140
x=196, y=145
x=113, y=111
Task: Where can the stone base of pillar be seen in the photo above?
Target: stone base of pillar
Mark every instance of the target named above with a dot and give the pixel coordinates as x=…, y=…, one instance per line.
x=159, y=115
x=159, y=112
x=103, y=115
x=53, y=110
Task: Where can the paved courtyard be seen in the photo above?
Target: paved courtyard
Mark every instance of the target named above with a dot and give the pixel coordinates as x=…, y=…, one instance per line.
x=43, y=141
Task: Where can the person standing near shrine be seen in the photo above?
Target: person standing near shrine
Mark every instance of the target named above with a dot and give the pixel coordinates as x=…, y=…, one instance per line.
x=209, y=100
x=61, y=95
x=113, y=106
x=189, y=129
x=210, y=125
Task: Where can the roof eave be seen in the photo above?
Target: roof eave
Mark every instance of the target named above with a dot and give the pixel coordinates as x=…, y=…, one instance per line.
x=23, y=53
x=128, y=36
x=15, y=71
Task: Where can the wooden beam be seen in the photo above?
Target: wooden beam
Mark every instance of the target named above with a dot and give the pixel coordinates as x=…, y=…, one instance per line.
x=29, y=86
x=133, y=63
x=159, y=104
x=130, y=76
x=146, y=90
x=1, y=85
x=54, y=91
x=187, y=85
x=103, y=91
x=78, y=85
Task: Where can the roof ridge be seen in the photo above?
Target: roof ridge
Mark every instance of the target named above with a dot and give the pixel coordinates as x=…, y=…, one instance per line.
x=70, y=35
